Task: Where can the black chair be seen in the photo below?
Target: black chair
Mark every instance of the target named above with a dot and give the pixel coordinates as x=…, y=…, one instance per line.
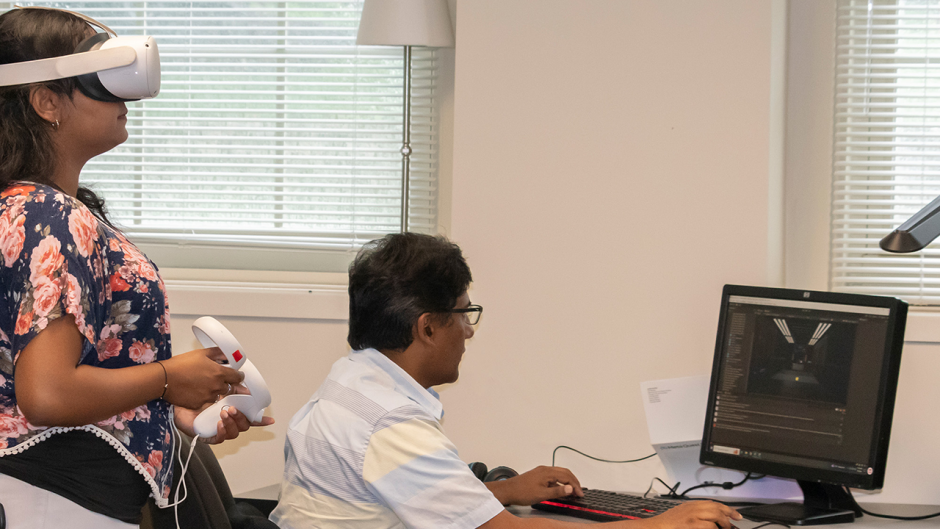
x=209, y=504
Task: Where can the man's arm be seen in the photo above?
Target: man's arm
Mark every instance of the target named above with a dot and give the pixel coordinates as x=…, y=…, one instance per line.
x=691, y=515
x=539, y=484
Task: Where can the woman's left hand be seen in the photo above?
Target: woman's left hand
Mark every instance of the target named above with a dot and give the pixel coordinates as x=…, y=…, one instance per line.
x=232, y=422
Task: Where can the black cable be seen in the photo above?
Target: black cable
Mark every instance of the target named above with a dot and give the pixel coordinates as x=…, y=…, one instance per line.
x=727, y=485
x=672, y=489
x=765, y=524
x=889, y=516
x=597, y=458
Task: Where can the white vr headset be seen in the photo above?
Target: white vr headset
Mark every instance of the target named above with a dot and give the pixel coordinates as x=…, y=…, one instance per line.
x=109, y=69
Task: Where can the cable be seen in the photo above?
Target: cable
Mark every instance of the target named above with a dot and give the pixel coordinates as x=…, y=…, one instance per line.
x=765, y=524
x=597, y=458
x=889, y=516
x=672, y=489
x=727, y=485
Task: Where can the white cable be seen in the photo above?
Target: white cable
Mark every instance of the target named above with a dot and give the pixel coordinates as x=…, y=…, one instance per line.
x=181, y=484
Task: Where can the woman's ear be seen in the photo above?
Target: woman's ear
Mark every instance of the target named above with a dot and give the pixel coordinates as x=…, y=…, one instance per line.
x=47, y=104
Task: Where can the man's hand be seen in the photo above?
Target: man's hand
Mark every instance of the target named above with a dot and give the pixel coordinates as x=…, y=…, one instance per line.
x=696, y=515
x=539, y=484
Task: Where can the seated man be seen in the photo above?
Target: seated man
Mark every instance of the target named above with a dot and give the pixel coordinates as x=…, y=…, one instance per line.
x=368, y=450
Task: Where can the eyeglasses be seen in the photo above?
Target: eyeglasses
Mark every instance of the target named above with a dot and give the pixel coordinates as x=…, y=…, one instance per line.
x=471, y=313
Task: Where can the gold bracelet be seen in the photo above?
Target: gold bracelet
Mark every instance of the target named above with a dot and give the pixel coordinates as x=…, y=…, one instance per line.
x=166, y=381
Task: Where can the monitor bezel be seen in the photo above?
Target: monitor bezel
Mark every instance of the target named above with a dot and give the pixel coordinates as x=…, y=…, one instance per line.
x=887, y=391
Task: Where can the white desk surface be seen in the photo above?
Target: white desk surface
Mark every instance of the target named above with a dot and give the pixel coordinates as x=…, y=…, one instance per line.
x=865, y=522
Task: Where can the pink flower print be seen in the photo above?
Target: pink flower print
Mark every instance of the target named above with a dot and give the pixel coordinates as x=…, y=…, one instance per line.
x=24, y=323
x=163, y=325
x=110, y=331
x=84, y=229
x=142, y=413
x=156, y=459
x=114, y=245
x=45, y=297
x=142, y=353
x=166, y=491
x=45, y=260
x=150, y=470
x=3, y=444
x=146, y=271
x=12, y=425
x=12, y=235
x=109, y=348
x=74, y=291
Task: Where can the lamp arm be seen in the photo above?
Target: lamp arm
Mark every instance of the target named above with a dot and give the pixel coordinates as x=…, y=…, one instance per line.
x=916, y=232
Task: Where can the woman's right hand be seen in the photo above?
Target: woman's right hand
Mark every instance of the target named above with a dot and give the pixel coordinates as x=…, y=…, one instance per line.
x=196, y=378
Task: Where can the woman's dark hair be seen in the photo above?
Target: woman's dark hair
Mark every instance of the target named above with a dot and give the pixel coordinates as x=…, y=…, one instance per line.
x=396, y=279
x=26, y=145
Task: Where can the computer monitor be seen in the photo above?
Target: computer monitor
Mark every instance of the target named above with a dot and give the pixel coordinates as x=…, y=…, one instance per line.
x=803, y=386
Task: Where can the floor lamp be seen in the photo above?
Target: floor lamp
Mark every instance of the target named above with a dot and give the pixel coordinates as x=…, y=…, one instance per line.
x=405, y=23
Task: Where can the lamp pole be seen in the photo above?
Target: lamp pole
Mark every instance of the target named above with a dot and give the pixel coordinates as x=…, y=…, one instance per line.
x=406, y=142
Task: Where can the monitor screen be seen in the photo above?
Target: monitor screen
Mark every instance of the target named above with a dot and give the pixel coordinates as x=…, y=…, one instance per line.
x=803, y=385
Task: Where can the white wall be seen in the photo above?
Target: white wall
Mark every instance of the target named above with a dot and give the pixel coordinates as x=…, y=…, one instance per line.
x=614, y=164
x=611, y=173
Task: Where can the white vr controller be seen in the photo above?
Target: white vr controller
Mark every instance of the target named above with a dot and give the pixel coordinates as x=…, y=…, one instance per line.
x=211, y=333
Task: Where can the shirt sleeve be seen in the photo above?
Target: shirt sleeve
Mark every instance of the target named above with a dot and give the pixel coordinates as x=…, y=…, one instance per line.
x=413, y=468
x=58, y=269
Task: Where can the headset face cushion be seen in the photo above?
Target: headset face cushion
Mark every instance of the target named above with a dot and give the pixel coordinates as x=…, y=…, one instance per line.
x=89, y=83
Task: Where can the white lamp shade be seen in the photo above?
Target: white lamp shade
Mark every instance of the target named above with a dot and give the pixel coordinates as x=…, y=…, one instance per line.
x=405, y=23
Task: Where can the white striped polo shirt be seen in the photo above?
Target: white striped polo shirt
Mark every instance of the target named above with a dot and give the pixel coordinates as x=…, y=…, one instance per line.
x=368, y=451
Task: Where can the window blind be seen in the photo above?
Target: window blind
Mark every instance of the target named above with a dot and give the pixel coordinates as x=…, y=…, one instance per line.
x=272, y=131
x=886, y=163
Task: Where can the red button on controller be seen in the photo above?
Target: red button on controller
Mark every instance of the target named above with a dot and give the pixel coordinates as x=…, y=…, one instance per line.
x=237, y=356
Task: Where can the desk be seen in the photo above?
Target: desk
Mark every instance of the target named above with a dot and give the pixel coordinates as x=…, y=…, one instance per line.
x=865, y=522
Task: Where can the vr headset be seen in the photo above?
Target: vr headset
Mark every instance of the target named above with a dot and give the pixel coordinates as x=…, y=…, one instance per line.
x=109, y=69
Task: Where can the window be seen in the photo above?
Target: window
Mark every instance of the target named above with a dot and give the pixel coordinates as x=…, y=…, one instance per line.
x=275, y=141
x=887, y=144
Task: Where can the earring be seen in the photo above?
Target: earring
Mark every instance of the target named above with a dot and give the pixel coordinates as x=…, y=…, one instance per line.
x=55, y=126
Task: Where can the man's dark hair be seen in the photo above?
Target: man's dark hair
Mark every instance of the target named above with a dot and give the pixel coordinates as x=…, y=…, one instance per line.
x=396, y=279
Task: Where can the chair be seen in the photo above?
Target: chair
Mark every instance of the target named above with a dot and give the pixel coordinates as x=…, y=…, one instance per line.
x=210, y=504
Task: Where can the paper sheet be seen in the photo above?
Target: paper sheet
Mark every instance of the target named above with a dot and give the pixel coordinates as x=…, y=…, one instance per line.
x=675, y=417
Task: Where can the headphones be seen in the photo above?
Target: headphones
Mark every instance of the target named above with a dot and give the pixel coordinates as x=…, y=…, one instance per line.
x=497, y=474
x=109, y=69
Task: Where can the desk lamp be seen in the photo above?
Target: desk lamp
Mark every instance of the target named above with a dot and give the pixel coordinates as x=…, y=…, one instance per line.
x=405, y=23
x=916, y=232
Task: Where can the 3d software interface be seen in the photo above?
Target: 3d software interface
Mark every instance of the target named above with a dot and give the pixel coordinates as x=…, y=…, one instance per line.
x=798, y=382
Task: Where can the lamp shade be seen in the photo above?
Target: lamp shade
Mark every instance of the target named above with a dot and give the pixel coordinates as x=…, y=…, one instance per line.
x=405, y=23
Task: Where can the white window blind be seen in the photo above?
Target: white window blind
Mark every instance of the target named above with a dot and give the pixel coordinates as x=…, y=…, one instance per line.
x=887, y=144
x=274, y=137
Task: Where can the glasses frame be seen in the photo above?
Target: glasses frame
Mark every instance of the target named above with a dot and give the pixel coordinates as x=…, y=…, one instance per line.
x=471, y=312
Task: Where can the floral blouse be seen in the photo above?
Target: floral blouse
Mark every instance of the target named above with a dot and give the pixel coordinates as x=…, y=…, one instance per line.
x=56, y=259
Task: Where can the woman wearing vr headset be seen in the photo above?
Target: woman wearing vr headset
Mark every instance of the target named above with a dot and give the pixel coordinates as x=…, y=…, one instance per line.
x=86, y=416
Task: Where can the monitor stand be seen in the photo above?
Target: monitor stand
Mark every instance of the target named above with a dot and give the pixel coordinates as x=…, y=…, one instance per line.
x=822, y=504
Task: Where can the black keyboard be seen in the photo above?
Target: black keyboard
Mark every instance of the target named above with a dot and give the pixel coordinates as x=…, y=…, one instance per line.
x=605, y=506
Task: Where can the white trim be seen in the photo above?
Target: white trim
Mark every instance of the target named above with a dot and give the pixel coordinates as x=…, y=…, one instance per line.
x=923, y=326
x=258, y=300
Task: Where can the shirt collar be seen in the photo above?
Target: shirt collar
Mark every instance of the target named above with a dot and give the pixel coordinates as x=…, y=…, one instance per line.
x=427, y=398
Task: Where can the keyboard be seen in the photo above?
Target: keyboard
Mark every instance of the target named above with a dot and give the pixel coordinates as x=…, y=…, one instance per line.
x=604, y=506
